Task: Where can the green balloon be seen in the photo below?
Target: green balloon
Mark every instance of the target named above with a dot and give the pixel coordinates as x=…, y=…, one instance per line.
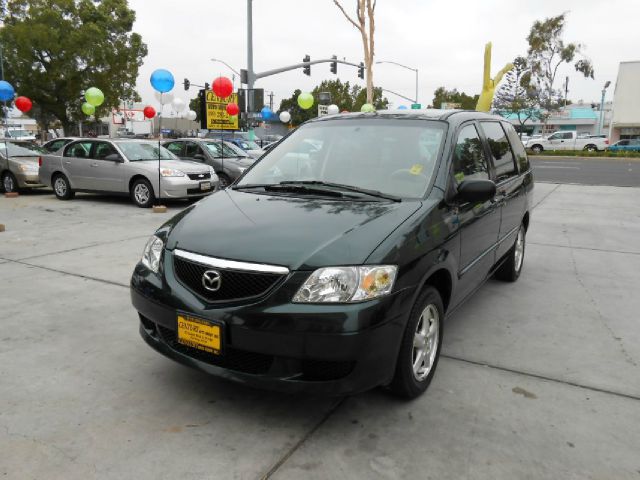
x=94, y=96
x=305, y=100
x=367, y=107
x=88, y=109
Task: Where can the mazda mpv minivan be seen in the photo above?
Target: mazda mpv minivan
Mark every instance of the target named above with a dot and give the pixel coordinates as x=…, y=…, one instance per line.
x=333, y=269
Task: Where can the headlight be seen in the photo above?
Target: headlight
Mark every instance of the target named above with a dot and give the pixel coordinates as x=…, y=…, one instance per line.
x=152, y=254
x=170, y=172
x=212, y=172
x=29, y=168
x=346, y=284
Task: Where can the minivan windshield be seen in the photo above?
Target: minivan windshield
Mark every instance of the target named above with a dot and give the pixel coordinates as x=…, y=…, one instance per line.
x=137, y=151
x=395, y=157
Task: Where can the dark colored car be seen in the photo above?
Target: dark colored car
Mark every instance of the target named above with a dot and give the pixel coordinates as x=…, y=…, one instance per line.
x=228, y=164
x=331, y=269
x=627, y=145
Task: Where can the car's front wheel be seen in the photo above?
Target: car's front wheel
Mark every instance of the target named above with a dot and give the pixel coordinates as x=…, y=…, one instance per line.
x=142, y=193
x=510, y=269
x=225, y=181
x=420, y=347
x=9, y=182
x=62, y=188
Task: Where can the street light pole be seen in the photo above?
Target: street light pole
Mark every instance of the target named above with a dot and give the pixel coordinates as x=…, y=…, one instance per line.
x=226, y=64
x=601, y=119
x=408, y=68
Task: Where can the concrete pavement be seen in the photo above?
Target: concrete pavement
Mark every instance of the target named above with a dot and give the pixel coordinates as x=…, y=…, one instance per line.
x=539, y=379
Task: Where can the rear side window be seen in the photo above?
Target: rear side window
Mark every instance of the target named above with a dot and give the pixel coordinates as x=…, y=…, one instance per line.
x=469, y=161
x=55, y=146
x=500, y=150
x=517, y=148
x=78, y=150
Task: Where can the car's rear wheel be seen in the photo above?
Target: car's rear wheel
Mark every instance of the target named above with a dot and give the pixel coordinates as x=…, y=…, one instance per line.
x=591, y=148
x=420, y=347
x=536, y=148
x=9, y=182
x=142, y=193
x=62, y=188
x=225, y=181
x=510, y=269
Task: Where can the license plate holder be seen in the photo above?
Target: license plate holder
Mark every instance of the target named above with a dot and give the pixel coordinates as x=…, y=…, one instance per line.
x=205, y=186
x=199, y=333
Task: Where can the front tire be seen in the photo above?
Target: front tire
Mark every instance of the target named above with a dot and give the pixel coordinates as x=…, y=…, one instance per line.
x=142, y=193
x=510, y=270
x=9, y=182
x=420, y=347
x=62, y=187
x=224, y=179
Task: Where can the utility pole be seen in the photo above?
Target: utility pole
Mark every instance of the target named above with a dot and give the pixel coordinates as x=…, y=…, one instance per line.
x=566, y=91
x=271, y=101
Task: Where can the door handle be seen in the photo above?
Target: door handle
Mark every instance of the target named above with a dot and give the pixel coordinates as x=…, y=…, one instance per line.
x=94, y=164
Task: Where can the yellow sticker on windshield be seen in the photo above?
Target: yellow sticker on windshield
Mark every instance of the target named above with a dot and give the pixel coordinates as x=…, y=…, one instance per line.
x=416, y=169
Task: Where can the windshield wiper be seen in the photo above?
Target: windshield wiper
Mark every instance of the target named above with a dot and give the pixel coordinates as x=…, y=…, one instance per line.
x=350, y=188
x=290, y=188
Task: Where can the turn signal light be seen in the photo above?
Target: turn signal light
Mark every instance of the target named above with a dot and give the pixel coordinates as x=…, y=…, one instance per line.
x=39, y=161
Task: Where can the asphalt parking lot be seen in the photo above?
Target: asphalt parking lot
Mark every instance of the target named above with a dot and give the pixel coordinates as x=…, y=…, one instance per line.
x=539, y=379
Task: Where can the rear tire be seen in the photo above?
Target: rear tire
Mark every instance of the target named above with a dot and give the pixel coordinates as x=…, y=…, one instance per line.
x=62, y=187
x=420, y=346
x=537, y=149
x=9, y=182
x=142, y=193
x=510, y=270
x=591, y=148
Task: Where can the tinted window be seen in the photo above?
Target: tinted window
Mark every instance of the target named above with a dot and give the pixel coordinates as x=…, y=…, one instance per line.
x=55, y=146
x=78, y=150
x=567, y=136
x=191, y=150
x=622, y=143
x=175, y=147
x=104, y=149
x=517, y=148
x=500, y=150
x=468, y=158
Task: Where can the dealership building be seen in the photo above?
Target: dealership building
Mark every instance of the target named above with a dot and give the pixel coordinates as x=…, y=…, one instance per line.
x=625, y=118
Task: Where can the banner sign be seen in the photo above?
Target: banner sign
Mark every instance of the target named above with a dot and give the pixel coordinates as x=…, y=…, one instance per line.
x=119, y=116
x=216, y=114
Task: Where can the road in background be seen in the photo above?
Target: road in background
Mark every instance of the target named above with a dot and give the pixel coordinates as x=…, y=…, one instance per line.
x=587, y=171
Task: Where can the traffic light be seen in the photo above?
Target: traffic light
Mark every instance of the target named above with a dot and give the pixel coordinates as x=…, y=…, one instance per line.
x=334, y=65
x=361, y=70
x=187, y=84
x=307, y=68
x=206, y=86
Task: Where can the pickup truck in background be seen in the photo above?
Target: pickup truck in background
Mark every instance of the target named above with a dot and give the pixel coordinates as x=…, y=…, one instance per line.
x=566, y=140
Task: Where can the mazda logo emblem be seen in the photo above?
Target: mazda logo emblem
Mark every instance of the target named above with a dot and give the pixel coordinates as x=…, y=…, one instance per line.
x=211, y=280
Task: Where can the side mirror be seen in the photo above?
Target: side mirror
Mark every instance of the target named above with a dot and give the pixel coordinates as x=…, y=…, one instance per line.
x=114, y=157
x=478, y=190
x=199, y=156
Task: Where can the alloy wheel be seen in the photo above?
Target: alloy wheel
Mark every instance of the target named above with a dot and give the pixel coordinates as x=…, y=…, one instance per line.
x=141, y=193
x=60, y=186
x=519, y=250
x=425, y=342
x=8, y=184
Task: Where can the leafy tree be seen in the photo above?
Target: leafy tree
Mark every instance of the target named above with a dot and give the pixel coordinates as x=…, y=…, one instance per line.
x=516, y=96
x=55, y=49
x=344, y=95
x=547, y=51
x=442, y=95
x=194, y=104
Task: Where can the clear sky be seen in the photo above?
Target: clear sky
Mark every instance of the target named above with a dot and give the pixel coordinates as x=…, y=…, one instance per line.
x=444, y=39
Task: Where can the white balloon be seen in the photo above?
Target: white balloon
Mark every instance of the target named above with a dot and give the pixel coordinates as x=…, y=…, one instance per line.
x=164, y=98
x=191, y=115
x=178, y=104
x=333, y=109
x=285, y=117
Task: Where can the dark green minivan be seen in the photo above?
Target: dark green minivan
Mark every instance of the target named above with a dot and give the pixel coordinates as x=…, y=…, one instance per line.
x=331, y=264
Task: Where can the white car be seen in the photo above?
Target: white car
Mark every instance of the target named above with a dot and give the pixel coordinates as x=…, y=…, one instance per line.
x=19, y=134
x=566, y=140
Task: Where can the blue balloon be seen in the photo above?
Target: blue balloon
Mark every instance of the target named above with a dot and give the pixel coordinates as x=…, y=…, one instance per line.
x=402, y=107
x=266, y=113
x=162, y=80
x=6, y=91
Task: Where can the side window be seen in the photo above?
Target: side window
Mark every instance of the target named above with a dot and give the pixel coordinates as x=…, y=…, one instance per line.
x=55, y=146
x=517, y=147
x=78, y=150
x=567, y=136
x=500, y=150
x=468, y=158
x=175, y=148
x=623, y=142
x=555, y=136
x=191, y=150
x=103, y=149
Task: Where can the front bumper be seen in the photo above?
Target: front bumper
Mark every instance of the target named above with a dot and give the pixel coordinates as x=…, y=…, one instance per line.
x=184, y=187
x=274, y=344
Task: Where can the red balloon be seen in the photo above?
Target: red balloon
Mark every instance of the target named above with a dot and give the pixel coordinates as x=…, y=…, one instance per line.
x=222, y=87
x=23, y=104
x=232, y=109
x=149, y=112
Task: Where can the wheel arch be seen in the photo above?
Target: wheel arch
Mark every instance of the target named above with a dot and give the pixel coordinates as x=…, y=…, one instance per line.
x=138, y=176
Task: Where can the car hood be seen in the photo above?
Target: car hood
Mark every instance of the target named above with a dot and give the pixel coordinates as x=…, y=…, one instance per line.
x=301, y=233
x=255, y=154
x=183, y=165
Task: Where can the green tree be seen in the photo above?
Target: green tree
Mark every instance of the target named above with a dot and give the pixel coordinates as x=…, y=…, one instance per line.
x=547, y=51
x=55, y=49
x=516, y=97
x=194, y=104
x=442, y=95
x=344, y=95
